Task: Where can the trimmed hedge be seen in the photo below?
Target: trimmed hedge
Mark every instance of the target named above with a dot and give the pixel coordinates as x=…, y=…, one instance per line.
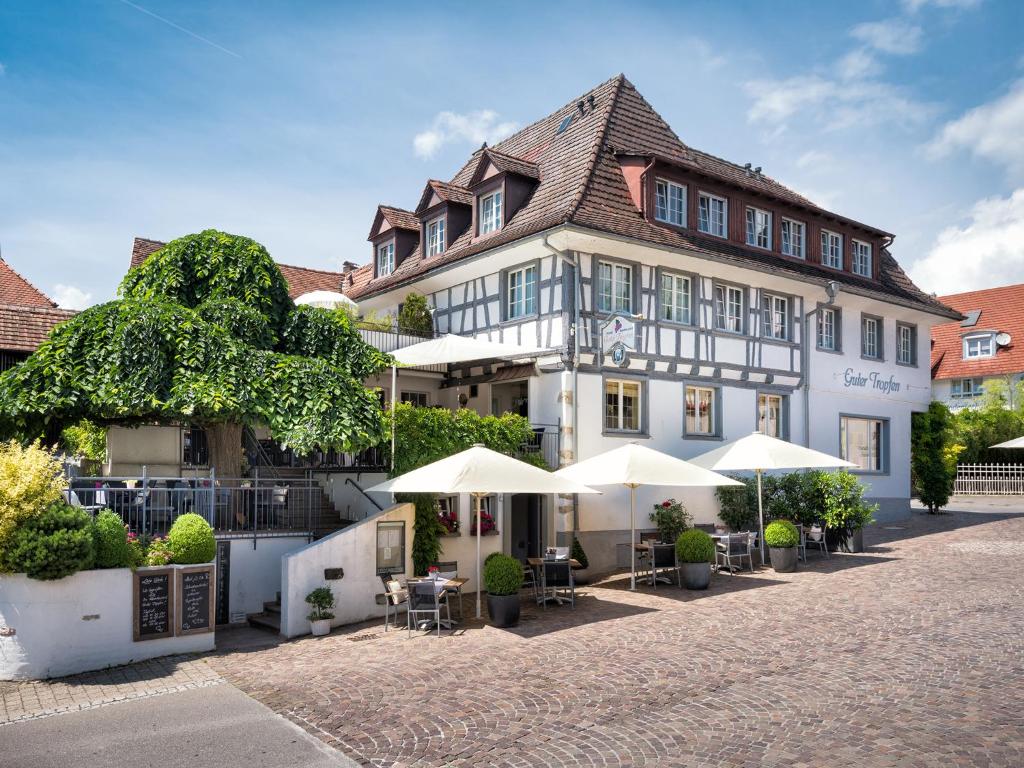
x=191, y=540
x=51, y=545
x=781, y=534
x=503, y=575
x=111, y=540
x=695, y=546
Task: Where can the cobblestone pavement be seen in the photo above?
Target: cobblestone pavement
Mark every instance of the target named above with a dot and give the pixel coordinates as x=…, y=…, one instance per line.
x=911, y=654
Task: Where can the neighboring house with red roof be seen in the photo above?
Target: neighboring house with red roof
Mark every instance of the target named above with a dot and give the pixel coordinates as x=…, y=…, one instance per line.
x=986, y=346
x=26, y=317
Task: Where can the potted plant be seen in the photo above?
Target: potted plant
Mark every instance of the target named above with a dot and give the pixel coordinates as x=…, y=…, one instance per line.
x=695, y=550
x=580, y=576
x=844, y=510
x=671, y=519
x=321, y=600
x=781, y=537
x=503, y=578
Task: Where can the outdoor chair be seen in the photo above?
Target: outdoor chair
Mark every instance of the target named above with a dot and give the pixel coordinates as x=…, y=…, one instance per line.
x=815, y=537
x=450, y=570
x=395, y=598
x=663, y=558
x=735, y=547
x=557, y=583
x=272, y=506
x=530, y=580
x=427, y=599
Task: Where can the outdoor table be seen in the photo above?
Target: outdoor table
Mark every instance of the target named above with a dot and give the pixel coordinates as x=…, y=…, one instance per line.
x=645, y=546
x=537, y=563
x=441, y=585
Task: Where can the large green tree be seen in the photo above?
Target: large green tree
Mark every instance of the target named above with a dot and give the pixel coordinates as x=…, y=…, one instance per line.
x=204, y=332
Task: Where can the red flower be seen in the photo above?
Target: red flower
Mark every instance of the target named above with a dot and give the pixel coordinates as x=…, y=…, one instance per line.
x=666, y=504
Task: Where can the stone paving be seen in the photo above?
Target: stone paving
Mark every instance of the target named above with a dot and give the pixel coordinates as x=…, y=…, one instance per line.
x=911, y=654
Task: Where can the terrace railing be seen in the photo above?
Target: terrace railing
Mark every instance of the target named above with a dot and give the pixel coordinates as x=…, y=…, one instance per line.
x=989, y=480
x=546, y=443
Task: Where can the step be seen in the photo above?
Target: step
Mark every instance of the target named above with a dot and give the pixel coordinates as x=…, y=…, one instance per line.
x=272, y=607
x=268, y=621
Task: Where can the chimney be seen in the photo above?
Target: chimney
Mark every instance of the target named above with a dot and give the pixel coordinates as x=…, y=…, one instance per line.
x=580, y=107
x=746, y=169
x=757, y=171
x=348, y=266
x=590, y=101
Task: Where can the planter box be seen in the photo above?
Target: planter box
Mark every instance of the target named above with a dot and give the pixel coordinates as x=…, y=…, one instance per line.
x=76, y=624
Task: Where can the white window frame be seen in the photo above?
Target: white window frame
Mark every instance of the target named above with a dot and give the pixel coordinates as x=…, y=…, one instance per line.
x=435, y=236
x=831, y=256
x=727, y=304
x=831, y=336
x=862, y=259
x=906, y=344
x=385, y=258
x=491, y=220
x=877, y=444
x=979, y=342
x=712, y=415
x=775, y=316
x=794, y=247
x=619, y=276
x=676, y=293
x=521, y=292
x=670, y=202
x=704, y=215
x=619, y=415
x=759, y=227
x=763, y=400
x=872, y=351
x=976, y=388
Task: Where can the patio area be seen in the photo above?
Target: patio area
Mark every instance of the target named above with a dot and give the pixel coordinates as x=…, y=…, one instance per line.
x=909, y=654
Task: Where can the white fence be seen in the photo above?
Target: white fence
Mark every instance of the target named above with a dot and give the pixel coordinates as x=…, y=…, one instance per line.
x=989, y=480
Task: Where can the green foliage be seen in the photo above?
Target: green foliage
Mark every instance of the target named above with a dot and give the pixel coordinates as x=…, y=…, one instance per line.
x=331, y=336
x=31, y=480
x=995, y=421
x=842, y=498
x=738, y=504
x=136, y=552
x=427, y=531
x=191, y=540
x=503, y=575
x=50, y=545
x=85, y=439
x=414, y=316
x=491, y=557
x=695, y=546
x=671, y=519
x=781, y=534
x=376, y=321
x=930, y=466
x=321, y=601
x=578, y=554
x=158, y=552
x=111, y=539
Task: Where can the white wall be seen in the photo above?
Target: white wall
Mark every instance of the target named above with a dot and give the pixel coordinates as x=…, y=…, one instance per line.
x=354, y=549
x=156, y=448
x=255, y=574
x=76, y=624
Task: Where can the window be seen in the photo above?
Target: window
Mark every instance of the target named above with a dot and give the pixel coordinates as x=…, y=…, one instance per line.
x=712, y=214
x=194, y=448
x=729, y=308
x=385, y=259
x=418, y=399
x=979, y=345
x=775, y=316
x=675, y=298
x=862, y=258
x=621, y=405
x=670, y=202
x=700, y=411
x=390, y=547
x=521, y=287
x=793, y=238
x=614, y=287
x=490, y=213
x=906, y=344
x=966, y=388
x=831, y=249
x=862, y=441
x=770, y=409
x=435, y=237
x=871, y=337
x=759, y=228
x=828, y=329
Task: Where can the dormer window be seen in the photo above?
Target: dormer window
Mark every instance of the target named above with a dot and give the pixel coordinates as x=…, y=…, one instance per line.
x=386, y=259
x=793, y=238
x=435, y=237
x=979, y=345
x=490, y=212
x=713, y=214
x=861, y=258
x=670, y=203
x=759, y=228
x=831, y=249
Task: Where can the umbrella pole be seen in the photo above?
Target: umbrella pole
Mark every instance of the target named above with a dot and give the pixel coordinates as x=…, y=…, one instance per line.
x=479, y=584
x=394, y=386
x=760, y=513
x=632, y=538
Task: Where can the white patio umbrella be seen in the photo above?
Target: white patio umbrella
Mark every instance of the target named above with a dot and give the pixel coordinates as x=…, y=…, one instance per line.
x=633, y=465
x=326, y=300
x=759, y=452
x=480, y=472
x=1017, y=442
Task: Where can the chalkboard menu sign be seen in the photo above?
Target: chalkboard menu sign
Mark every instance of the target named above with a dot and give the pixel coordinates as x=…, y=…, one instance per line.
x=223, y=580
x=153, y=603
x=195, y=600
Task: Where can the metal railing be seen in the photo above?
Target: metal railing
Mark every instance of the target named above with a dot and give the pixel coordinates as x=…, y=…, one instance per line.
x=546, y=443
x=390, y=339
x=239, y=506
x=272, y=455
x=989, y=480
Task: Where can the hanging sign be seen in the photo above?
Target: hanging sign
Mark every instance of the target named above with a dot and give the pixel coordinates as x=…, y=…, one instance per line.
x=618, y=330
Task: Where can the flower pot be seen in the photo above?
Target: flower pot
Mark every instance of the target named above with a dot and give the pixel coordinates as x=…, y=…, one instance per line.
x=783, y=559
x=503, y=610
x=320, y=627
x=696, y=575
x=854, y=541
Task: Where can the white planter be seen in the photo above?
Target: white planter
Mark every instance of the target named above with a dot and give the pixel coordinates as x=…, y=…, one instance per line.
x=320, y=627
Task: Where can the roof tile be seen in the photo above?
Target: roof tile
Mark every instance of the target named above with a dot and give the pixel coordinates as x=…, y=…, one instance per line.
x=15, y=289
x=1002, y=310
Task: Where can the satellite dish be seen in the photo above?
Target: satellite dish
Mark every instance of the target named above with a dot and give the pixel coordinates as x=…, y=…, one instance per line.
x=1003, y=339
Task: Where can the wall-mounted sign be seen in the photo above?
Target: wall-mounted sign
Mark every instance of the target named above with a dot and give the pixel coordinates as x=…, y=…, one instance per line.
x=195, y=601
x=618, y=330
x=619, y=355
x=873, y=380
x=153, y=603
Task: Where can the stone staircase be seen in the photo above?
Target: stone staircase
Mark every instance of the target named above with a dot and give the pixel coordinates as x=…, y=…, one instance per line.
x=269, y=618
x=330, y=519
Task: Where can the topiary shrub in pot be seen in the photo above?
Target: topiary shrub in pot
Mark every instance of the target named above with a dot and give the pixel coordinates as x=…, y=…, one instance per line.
x=580, y=575
x=191, y=540
x=111, y=537
x=781, y=537
x=51, y=545
x=503, y=578
x=321, y=601
x=695, y=550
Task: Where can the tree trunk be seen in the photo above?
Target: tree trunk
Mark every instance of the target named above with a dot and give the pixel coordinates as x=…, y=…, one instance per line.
x=224, y=443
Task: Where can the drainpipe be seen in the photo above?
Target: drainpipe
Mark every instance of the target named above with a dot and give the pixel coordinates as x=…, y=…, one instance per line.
x=643, y=186
x=831, y=290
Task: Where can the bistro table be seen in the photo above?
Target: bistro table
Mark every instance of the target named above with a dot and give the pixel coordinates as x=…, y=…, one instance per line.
x=537, y=563
x=441, y=585
x=645, y=547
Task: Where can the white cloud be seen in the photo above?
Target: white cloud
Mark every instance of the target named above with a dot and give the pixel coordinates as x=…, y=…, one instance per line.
x=988, y=250
x=992, y=131
x=913, y=6
x=857, y=64
x=471, y=128
x=71, y=297
x=893, y=36
x=3, y=69
x=814, y=159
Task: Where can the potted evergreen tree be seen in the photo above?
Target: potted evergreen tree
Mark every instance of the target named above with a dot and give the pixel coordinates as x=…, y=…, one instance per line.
x=781, y=537
x=321, y=600
x=580, y=575
x=695, y=550
x=503, y=578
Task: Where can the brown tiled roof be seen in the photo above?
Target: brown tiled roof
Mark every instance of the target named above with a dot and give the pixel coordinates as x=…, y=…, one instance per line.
x=24, y=328
x=142, y=248
x=1002, y=311
x=15, y=289
x=581, y=182
x=448, y=192
x=511, y=164
x=399, y=218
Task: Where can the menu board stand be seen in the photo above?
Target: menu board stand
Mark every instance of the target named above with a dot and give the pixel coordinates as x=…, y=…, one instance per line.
x=152, y=603
x=194, y=599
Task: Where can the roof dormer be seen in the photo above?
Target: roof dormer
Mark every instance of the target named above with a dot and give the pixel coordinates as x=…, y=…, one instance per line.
x=500, y=184
x=445, y=212
x=394, y=235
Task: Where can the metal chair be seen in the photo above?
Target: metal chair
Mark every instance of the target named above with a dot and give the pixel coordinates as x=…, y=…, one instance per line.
x=426, y=598
x=816, y=538
x=735, y=546
x=801, y=542
x=452, y=567
x=395, y=596
x=530, y=580
x=663, y=558
x=557, y=582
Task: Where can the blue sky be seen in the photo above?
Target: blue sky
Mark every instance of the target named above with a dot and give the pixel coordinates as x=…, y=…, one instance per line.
x=289, y=122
